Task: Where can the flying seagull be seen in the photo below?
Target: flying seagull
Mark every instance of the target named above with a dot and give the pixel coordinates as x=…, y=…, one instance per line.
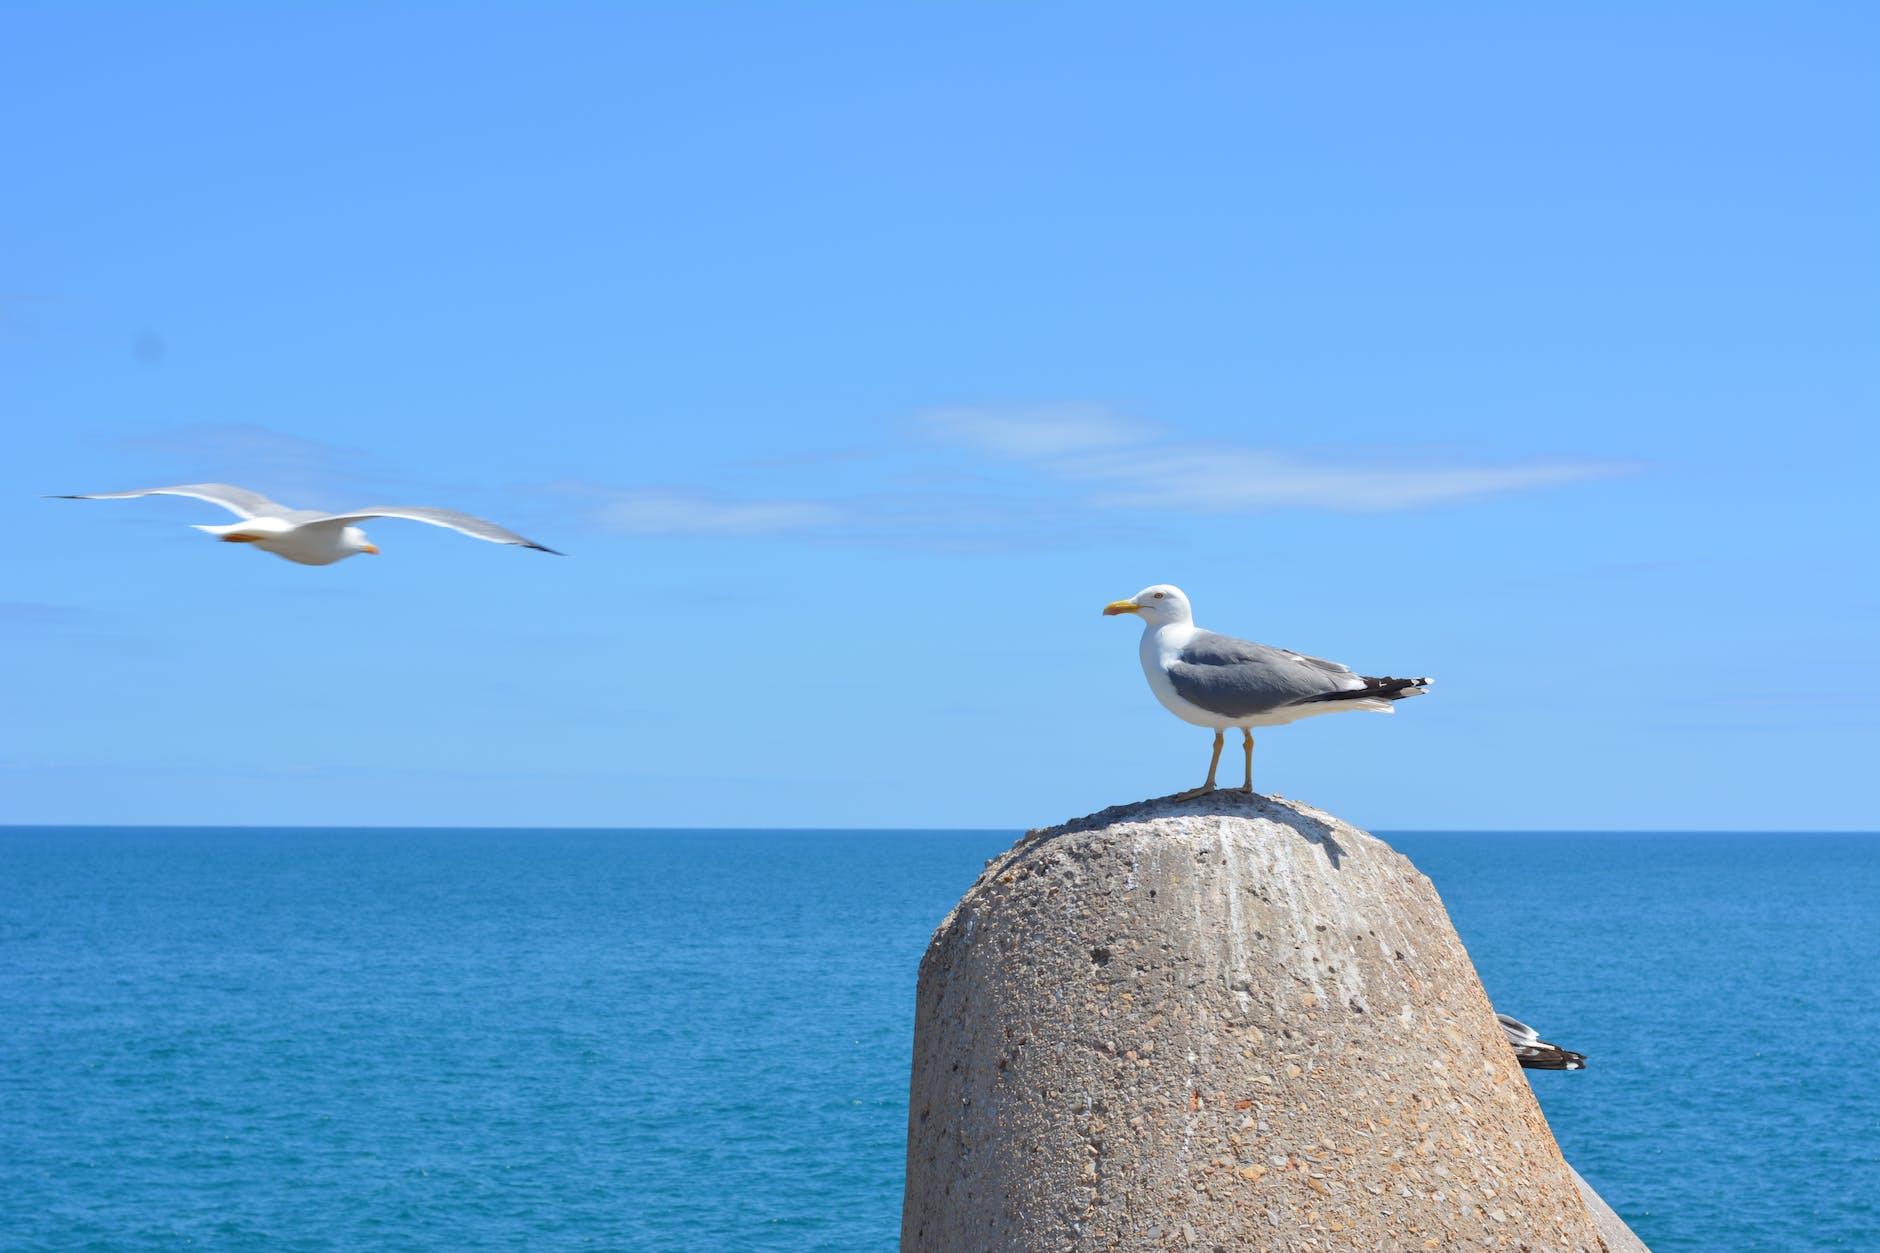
x=306, y=535
x=1536, y=1053
x=1219, y=681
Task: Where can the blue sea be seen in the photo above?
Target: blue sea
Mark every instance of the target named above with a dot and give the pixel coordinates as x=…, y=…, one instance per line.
x=643, y=1040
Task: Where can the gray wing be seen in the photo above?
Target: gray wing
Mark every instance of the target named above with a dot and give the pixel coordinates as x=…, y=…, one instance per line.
x=478, y=528
x=1238, y=678
x=237, y=500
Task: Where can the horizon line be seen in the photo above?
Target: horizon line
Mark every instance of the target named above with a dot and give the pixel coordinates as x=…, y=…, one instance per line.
x=794, y=830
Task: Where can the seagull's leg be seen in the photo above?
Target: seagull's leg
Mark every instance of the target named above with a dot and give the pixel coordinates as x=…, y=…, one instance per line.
x=1213, y=763
x=1249, y=747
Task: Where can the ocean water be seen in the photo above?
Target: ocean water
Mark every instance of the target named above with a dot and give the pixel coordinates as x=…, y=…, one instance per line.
x=425, y=1039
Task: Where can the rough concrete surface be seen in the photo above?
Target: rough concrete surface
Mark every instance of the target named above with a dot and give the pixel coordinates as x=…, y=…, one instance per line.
x=1228, y=1023
x=1619, y=1238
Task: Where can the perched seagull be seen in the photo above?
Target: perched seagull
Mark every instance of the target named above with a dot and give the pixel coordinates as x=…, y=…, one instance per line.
x=306, y=535
x=1218, y=681
x=1536, y=1053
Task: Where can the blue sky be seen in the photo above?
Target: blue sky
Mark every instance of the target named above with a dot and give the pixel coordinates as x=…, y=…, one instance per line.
x=859, y=354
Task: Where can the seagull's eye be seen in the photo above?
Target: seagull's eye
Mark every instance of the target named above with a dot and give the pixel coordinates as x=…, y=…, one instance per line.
x=1160, y=595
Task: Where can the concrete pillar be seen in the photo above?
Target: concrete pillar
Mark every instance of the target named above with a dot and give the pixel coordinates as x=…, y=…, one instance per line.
x=1233, y=1023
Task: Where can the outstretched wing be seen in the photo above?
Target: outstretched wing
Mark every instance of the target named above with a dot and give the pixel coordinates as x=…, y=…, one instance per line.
x=477, y=528
x=237, y=500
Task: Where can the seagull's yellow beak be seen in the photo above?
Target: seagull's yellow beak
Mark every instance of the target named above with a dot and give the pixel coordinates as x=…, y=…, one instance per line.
x=1120, y=606
x=371, y=548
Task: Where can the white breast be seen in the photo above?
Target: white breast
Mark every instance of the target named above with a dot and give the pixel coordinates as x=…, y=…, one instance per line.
x=310, y=546
x=1161, y=646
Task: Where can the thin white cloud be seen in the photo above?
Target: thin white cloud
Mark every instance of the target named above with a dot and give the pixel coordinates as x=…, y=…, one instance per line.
x=36, y=613
x=1228, y=479
x=20, y=312
x=306, y=473
x=1083, y=461
x=927, y=516
x=251, y=445
x=646, y=512
x=1028, y=432
x=1120, y=463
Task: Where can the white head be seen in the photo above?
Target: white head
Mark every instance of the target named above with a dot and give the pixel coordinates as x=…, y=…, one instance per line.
x=1156, y=606
x=353, y=540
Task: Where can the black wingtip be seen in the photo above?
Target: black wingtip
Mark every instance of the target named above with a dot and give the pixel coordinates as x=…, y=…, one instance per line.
x=544, y=548
x=1375, y=687
x=1560, y=1059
